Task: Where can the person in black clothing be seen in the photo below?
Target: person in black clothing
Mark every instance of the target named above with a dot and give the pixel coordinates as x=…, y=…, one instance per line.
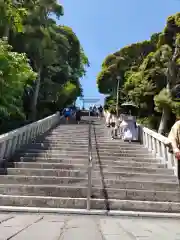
x=78, y=116
x=100, y=110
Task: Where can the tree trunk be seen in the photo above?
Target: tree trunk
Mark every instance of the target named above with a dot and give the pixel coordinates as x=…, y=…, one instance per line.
x=164, y=119
x=171, y=81
x=6, y=32
x=35, y=96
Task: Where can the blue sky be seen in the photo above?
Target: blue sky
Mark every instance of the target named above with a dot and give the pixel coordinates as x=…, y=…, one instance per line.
x=104, y=27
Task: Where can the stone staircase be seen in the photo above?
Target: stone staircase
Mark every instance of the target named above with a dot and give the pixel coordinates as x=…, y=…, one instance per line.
x=52, y=173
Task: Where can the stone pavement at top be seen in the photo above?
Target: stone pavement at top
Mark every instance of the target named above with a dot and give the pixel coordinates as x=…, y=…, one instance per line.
x=78, y=227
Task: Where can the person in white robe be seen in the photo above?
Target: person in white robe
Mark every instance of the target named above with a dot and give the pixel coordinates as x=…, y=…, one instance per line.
x=174, y=137
x=129, y=128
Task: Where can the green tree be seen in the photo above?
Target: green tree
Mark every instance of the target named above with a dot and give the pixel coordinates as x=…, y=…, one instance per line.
x=54, y=53
x=123, y=63
x=68, y=69
x=151, y=73
x=12, y=14
x=15, y=72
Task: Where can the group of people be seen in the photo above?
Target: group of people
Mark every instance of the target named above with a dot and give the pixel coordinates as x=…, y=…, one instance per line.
x=75, y=113
x=69, y=113
x=123, y=126
x=96, y=111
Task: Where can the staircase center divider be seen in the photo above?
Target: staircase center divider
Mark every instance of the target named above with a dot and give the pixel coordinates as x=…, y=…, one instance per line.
x=89, y=189
x=14, y=140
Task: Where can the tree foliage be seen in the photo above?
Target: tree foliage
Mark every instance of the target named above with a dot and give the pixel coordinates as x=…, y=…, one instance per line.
x=149, y=73
x=41, y=62
x=15, y=71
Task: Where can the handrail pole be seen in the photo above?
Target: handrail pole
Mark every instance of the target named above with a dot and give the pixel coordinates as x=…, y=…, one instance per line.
x=89, y=168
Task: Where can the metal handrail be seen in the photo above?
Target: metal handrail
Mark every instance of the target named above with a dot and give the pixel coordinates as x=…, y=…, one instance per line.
x=89, y=188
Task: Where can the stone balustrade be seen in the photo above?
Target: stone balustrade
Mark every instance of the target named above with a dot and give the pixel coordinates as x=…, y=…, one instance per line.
x=14, y=140
x=160, y=147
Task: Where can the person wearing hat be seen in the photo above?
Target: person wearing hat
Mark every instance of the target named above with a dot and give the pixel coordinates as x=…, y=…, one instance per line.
x=174, y=137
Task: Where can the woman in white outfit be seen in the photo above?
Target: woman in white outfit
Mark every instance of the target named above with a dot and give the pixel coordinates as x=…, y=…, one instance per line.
x=129, y=128
x=107, y=117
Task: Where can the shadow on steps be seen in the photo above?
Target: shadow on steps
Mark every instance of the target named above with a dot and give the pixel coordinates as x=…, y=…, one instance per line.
x=104, y=187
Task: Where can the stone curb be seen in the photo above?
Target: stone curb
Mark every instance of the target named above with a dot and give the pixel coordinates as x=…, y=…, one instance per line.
x=88, y=212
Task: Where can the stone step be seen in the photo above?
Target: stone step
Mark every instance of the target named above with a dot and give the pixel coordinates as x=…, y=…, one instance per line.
x=133, y=163
x=75, y=138
x=85, y=142
x=81, y=192
x=83, y=158
x=84, y=154
x=84, y=162
x=95, y=174
x=110, y=183
x=47, y=172
x=129, y=168
x=79, y=142
x=66, y=140
x=134, y=175
x=81, y=203
x=77, y=146
x=71, y=132
x=108, y=140
x=80, y=129
x=60, y=155
x=74, y=127
x=68, y=136
x=80, y=145
x=64, y=129
x=45, y=180
x=75, y=141
x=49, y=165
x=85, y=150
x=110, y=168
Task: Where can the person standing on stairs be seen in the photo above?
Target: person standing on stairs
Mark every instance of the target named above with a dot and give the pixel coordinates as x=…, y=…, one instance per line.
x=95, y=111
x=78, y=116
x=107, y=115
x=100, y=111
x=174, y=137
x=67, y=114
x=129, y=128
x=113, y=123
